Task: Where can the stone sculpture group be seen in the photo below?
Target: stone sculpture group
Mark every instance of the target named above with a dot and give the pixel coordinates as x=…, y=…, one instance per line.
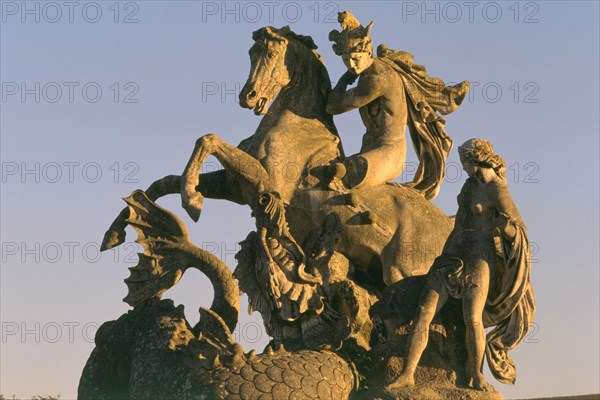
x=366, y=288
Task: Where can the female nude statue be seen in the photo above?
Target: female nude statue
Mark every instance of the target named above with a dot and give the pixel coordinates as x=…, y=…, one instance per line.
x=486, y=263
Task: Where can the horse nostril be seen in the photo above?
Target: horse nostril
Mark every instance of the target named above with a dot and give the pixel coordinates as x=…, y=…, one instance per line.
x=251, y=95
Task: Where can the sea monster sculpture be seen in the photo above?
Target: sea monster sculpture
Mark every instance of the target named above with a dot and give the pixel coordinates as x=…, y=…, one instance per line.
x=306, y=294
x=151, y=352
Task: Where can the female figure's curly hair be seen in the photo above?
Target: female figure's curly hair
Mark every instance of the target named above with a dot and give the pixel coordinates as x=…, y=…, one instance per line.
x=481, y=152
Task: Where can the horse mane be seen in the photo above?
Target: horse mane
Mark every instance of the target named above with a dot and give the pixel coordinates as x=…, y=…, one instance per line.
x=285, y=32
x=278, y=33
x=304, y=39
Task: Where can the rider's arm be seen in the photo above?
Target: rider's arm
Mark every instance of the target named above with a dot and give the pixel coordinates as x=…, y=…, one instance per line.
x=368, y=89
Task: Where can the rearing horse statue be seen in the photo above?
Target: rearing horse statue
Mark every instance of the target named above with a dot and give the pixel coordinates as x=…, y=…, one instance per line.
x=389, y=231
x=293, y=139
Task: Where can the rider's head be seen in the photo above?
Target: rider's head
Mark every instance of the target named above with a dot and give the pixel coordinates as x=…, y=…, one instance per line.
x=353, y=43
x=357, y=62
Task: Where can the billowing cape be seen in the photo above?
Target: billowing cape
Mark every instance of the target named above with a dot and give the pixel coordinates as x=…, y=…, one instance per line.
x=425, y=97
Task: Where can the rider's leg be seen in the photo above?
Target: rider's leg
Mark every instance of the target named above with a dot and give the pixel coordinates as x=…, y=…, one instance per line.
x=392, y=261
x=433, y=297
x=355, y=170
x=375, y=166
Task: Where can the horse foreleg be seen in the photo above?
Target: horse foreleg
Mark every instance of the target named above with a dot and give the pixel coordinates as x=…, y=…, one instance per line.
x=115, y=235
x=246, y=171
x=214, y=186
x=191, y=199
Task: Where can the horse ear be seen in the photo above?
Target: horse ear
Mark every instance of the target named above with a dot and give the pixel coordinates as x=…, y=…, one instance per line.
x=273, y=34
x=368, y=28
x=285, y=30
x=257, y=34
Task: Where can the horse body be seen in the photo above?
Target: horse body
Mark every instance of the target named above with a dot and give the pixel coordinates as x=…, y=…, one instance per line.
x=390, y=232
x=288, y=155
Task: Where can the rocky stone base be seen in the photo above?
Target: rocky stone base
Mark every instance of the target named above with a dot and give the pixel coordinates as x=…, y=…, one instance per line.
x=440, y=374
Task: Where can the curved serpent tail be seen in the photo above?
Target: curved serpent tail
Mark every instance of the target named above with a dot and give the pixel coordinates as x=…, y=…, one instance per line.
x=165, y=358
x=168, y=253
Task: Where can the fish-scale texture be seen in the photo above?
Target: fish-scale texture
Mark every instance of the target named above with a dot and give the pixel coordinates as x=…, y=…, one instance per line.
x=306, y=374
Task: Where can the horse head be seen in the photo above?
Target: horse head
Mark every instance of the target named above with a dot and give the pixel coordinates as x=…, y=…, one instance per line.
x=277, y=58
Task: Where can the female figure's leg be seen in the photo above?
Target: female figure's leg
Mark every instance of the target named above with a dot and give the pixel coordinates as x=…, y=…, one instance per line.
x=433, y=297
x=474, y=297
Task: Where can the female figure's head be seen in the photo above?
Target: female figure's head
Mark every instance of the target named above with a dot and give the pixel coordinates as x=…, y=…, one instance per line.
x=478, y=153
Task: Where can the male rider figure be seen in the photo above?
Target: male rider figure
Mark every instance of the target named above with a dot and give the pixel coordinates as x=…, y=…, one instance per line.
x=391, y=92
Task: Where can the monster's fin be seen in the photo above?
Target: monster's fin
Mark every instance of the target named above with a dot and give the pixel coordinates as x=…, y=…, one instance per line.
x=168, y=253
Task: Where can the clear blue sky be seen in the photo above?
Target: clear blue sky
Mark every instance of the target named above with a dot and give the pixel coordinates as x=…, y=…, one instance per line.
x=99, y=99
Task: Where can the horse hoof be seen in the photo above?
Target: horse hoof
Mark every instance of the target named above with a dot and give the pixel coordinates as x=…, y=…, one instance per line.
x=193, y=212
x=192, y=205
x=194, y=209
x=112, y=238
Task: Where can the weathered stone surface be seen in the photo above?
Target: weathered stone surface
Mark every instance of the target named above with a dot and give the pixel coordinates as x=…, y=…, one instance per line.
x=139, y=356
x=343, y=265
x=444, y=358
x=149, y=353
x=152, y=353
